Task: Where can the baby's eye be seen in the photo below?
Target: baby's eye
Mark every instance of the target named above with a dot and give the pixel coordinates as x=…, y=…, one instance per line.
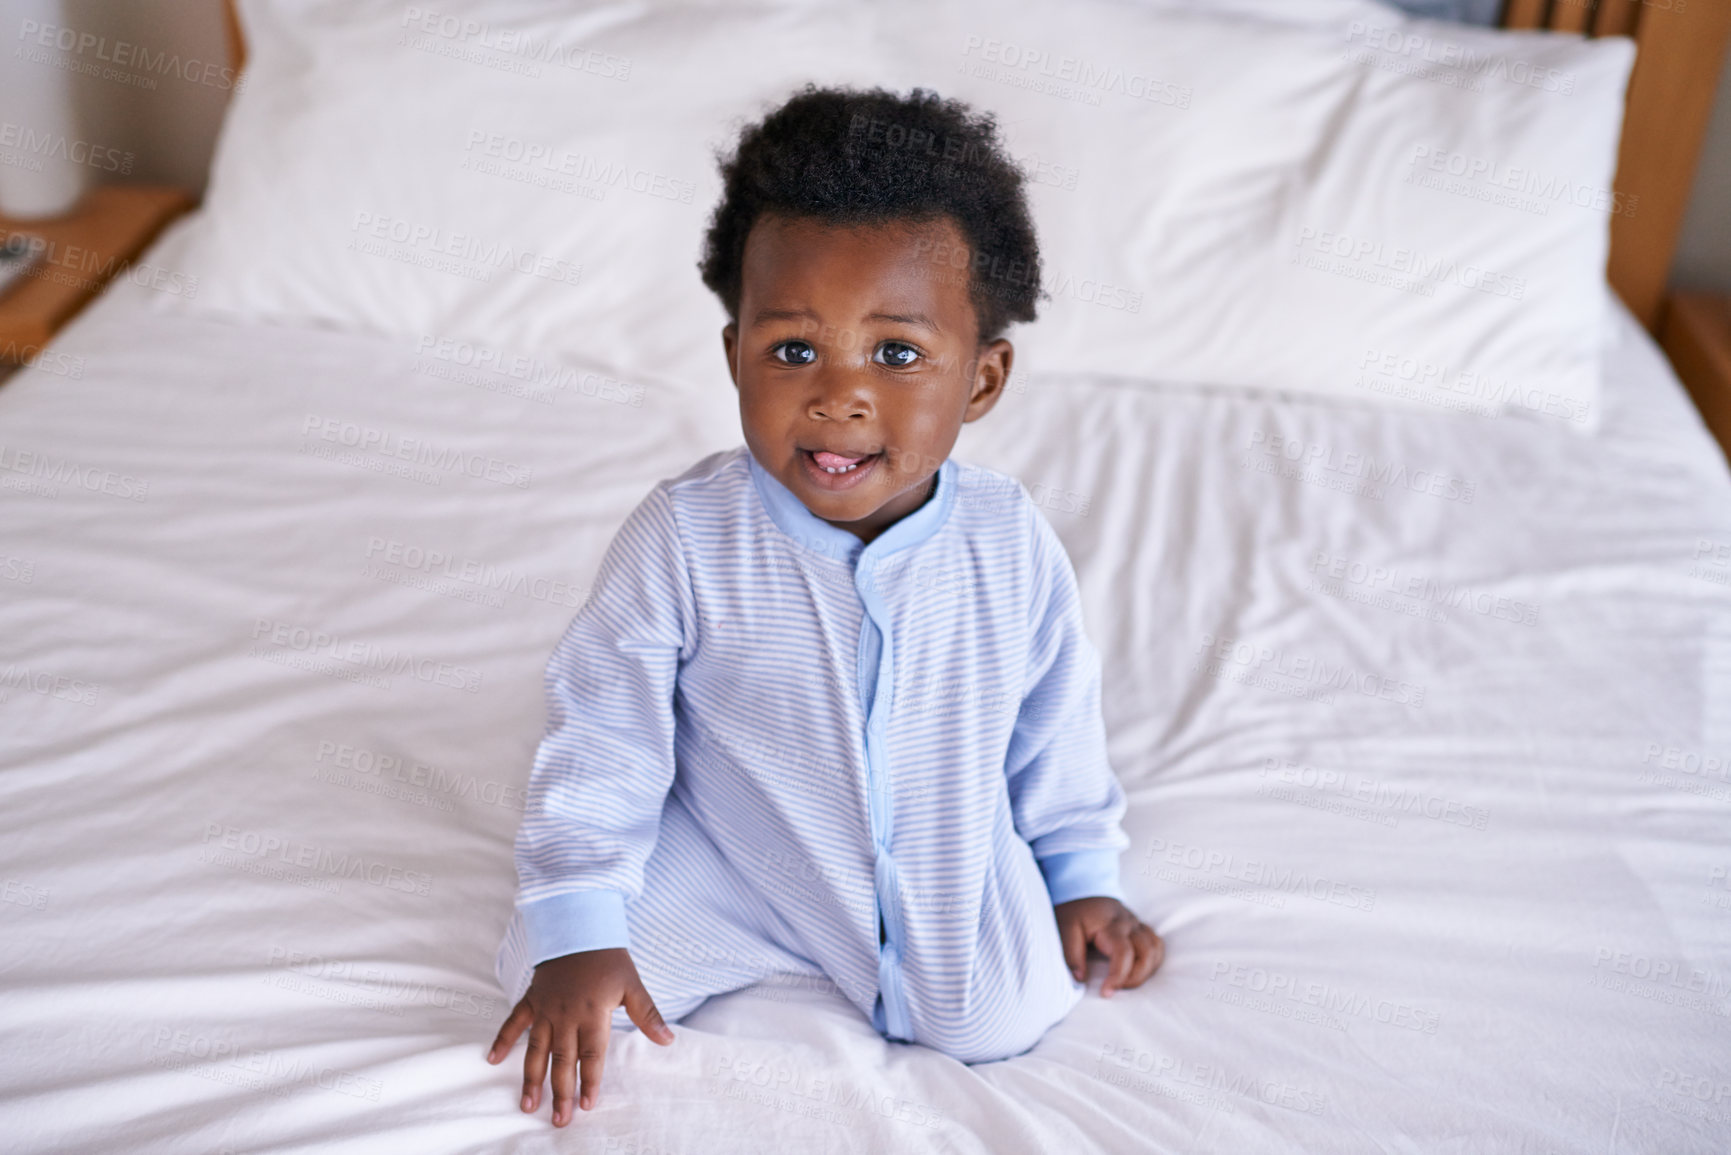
x=794, y=353
x=897, y=354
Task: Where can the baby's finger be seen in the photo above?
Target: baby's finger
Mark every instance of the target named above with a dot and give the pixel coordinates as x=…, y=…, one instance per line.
x=535, y=1064
x=1113, y=940
x=565, y=1052
x=522, y=1016
x=592, y=1051
x=1150, y=952
x=642, y=1010
x=1075, y=941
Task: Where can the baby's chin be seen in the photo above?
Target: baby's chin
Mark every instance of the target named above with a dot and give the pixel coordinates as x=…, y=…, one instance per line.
x=850, y=512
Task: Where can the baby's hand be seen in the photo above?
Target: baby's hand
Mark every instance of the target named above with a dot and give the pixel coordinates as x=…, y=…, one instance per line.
x=568, y=1012
x=1133, y=951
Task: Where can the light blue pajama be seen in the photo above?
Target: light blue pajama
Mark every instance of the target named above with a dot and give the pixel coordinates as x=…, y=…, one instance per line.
x=764, y=736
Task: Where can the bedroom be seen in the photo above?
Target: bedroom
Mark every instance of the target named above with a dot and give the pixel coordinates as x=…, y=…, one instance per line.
x=1405, y=549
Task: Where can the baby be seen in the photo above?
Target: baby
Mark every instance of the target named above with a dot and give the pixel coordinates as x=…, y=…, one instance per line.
x=830, y=711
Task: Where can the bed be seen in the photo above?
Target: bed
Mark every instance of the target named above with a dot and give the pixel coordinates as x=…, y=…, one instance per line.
x=1424, y=718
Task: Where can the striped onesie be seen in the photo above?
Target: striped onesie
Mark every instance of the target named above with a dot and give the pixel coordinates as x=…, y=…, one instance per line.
x=774, y=750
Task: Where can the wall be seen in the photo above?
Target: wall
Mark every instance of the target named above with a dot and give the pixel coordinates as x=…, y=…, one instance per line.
x=1704, y=252
x=147, y=79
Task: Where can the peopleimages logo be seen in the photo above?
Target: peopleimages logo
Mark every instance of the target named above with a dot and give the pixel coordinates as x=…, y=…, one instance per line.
x=1383, y=800
x=447, y=250
x=48, y=684
x=1268, y=876
x=583, y=168
x=1517, y=186
x=1121, y=1065
x=1393, y=580
x=121, y=55
x=1089, y=77
x=541, y=380
x=467, y=570
x=365, y=656
x=463, y=36
x=1431, y=381
x=1423, y=54
x=362, y=764
x=1379, y=474
x=1327, y=997
x=1374, y=256
x=33, y=147
x=389, y=991
x=293, y=852
x=52, y=472
x=386, y=444
x=1214, y=655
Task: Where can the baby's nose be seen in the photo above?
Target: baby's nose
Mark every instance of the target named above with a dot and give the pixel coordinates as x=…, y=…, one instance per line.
x=840, y=400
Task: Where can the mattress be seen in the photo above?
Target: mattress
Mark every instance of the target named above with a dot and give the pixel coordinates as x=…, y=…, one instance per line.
x=1425, y=722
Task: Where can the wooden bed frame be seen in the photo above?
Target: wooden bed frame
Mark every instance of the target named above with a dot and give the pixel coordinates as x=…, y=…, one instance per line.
x=1681, y=45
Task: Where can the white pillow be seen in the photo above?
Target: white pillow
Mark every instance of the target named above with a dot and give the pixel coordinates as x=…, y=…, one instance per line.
x=530, y=175
x=538, y=179
x=1282, y=11
x=1387, y=210
x=1341, y=11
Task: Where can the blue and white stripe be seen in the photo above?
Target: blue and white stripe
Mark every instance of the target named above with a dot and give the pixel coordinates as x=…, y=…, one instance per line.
x=764, y=736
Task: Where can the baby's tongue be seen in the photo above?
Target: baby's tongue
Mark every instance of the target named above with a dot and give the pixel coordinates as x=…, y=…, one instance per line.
x=833, y=460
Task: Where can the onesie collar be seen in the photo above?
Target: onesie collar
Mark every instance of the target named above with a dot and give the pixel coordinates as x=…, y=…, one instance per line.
x=794, y=519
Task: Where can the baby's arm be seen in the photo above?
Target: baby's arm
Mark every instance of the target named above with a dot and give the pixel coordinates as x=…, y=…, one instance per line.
x=1066, y=800
x=596, y=793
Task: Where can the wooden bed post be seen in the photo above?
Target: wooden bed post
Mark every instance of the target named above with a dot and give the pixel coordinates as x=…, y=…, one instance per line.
x=1670, y=100
x=1681, y=48
x=231, y=32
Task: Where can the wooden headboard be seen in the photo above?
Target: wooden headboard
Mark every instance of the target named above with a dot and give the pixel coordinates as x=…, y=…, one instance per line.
x=1681, y=47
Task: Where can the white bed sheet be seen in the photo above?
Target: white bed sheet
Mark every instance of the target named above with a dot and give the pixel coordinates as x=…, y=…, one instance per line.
x=1479, y=910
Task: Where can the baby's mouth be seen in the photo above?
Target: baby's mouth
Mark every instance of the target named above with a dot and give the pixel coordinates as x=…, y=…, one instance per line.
x=838, y=462
x=835, y=472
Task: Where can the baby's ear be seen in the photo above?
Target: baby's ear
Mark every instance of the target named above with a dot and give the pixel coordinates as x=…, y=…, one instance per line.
x=991, y=374
x=730, y=344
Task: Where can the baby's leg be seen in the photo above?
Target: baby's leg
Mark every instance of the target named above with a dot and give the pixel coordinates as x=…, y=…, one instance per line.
x=698, y=929
x=987, y=984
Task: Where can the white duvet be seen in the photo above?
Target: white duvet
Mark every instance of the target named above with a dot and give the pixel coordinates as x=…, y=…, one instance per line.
x=1425, y=722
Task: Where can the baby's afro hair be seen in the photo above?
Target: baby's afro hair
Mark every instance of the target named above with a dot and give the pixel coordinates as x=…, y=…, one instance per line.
x=850, y=157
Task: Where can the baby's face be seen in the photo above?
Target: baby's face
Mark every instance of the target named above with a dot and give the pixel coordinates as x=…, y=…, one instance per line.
x=857, y=360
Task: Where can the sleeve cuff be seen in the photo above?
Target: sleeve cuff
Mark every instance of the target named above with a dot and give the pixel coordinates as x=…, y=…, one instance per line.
x=567, y=923
x=1082, y=874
